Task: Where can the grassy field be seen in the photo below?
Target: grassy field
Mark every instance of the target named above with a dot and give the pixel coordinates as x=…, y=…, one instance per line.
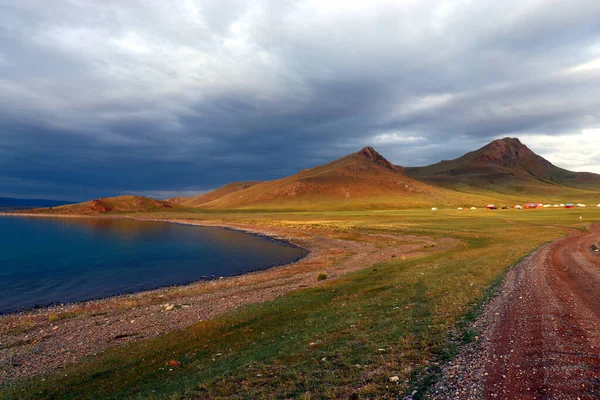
x=342, y=339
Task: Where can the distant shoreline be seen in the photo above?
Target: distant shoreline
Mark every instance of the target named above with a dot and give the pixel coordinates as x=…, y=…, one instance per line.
x=42, y=215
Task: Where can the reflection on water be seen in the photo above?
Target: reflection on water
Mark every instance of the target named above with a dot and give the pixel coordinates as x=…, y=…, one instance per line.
x=125, y=228
x=51, y=260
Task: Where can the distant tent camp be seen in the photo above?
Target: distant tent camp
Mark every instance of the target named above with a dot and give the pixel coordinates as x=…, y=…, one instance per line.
x=533, y=205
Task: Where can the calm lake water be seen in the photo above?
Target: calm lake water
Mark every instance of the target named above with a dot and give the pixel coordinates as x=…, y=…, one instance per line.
x=56, y=260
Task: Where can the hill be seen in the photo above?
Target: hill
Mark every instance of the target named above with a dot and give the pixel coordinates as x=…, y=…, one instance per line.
x=506, y=166
x=196, y=201
x=360, y=180
x=503, y=172
x=120, y=204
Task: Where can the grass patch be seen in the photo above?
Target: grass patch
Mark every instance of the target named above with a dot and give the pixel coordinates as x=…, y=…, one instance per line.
x=322, y=276
x=57, y=316
x=342, y=339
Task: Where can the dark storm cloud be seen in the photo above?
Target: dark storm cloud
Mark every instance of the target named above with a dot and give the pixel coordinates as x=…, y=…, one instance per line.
x=158, y=98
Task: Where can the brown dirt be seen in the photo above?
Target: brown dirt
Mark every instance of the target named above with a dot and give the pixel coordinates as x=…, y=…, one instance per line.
x=541, y=334
x=41, y=341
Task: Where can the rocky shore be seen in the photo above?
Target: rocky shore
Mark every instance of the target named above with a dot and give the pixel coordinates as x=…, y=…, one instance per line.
x=40, y=341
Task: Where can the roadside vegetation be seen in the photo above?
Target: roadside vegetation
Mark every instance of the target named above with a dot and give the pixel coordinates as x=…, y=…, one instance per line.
x=381, y=332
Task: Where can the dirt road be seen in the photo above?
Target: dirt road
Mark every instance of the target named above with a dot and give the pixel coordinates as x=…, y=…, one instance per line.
x=541, y=335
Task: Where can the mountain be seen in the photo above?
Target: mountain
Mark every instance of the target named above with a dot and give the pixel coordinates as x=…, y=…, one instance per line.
x=506, y=166
x=8, y=202
x=120, y=204
x=504, y=172
x=203, y=198
x=360, y=180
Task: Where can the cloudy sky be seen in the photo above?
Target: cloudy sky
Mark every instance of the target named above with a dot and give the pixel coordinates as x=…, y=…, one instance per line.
x=154, y=97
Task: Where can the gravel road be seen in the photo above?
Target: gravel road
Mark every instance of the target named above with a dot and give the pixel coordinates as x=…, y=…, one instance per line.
x=541, y=334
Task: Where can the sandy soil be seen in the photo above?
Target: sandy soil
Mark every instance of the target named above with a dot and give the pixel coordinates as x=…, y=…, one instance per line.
x=541, y=334
x=40, y=341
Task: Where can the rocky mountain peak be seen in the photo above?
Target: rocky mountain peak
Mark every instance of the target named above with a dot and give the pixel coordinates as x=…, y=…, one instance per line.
x=372, y=155
x=505, y=152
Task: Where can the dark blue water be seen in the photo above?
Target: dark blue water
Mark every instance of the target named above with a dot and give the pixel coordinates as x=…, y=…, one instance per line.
x=57, y=260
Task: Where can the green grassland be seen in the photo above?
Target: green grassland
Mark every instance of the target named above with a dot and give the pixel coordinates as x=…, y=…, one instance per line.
x=341, y=339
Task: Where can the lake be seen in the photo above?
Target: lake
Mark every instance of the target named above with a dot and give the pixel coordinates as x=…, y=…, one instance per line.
x=45, y=261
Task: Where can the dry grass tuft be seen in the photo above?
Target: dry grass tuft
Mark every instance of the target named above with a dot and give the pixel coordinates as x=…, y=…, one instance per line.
x=322, y=276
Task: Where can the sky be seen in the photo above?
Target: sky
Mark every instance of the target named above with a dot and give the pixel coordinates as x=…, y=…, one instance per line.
x=163, y=98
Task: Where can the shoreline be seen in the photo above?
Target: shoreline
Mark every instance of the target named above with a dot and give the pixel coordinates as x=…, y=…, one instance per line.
x=41, y=341
x=261, y=234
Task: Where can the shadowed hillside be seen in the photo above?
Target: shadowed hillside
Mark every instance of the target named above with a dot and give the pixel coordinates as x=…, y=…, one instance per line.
x=506, y=166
